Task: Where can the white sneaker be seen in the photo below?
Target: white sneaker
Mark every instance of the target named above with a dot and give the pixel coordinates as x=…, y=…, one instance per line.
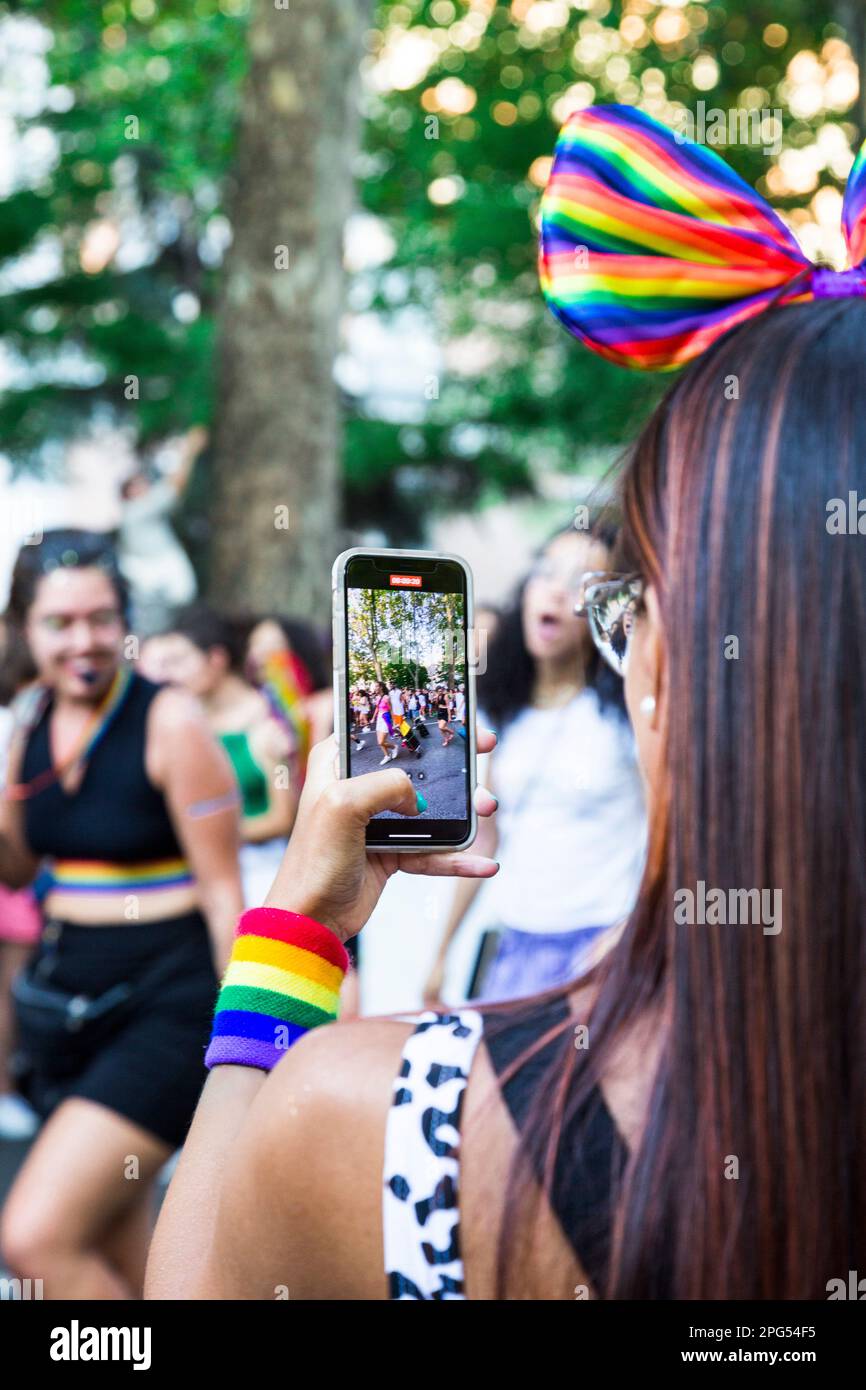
x=394, y=752
x=386, y=759
x=18, y=1120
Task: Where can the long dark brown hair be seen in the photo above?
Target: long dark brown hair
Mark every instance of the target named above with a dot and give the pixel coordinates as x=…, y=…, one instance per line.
x=762, y=1036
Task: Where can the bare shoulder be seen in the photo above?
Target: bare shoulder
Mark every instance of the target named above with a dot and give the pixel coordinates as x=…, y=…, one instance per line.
x=303, y=1206
x=178, y=735
x=174, y=710
x=347, y=1064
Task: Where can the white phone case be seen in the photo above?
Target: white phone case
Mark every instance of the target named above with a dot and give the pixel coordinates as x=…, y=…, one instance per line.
x=340, y=677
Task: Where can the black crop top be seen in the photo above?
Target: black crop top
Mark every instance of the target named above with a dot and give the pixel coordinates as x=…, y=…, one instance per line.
x=591, y=1152
x=117, y=815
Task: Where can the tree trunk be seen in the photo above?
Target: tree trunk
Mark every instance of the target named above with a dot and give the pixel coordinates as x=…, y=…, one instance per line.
x=374, y=634
x=277, y=440
x=450, y=630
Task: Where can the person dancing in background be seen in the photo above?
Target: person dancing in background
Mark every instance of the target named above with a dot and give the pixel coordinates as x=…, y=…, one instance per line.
x=384, y=723
x=460, y=706
x=442, y=707
x=151, y=557
x=121, y=784
x=570, y=830
x=202, y=652
x=364, y=709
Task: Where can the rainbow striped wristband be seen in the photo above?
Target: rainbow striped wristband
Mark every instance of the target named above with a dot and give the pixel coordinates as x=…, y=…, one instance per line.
x=283, y=979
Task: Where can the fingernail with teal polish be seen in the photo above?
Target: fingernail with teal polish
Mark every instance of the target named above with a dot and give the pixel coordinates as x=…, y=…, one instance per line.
x=422, y=804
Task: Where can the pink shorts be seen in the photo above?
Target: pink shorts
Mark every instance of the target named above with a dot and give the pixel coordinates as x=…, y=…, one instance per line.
x=20, y=918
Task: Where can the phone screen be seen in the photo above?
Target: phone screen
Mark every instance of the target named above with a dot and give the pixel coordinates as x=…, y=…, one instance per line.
x=407, y=689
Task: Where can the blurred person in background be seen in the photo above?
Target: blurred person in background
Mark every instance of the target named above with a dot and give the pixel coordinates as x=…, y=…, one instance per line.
x=153, y=652
x=460, y=706
x=151, y=556
x=122, y=787
x=395, y=696
x=20, y=918
x=442, y=707
x=288, y=658
x=384, y=723
x=203, y=652
x=570, y=829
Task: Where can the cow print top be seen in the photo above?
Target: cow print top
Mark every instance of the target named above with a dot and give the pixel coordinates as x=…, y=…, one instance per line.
x=420, y=1211
x=420, y=1216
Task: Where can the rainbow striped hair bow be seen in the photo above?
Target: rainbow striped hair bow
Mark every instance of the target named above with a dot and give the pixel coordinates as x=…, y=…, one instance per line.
x=652, y=248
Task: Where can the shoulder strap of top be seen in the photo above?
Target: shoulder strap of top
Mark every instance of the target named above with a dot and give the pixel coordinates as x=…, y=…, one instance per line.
x=420, y=1212
x=591, y=1153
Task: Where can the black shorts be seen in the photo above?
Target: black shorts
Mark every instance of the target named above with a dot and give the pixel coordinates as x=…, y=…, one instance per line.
x=150, y=1068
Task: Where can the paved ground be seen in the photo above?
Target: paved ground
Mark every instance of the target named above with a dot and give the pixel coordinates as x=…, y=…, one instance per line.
x=439, y=773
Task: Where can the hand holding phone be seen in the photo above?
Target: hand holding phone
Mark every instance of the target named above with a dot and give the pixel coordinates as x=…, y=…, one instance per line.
x=328, y=871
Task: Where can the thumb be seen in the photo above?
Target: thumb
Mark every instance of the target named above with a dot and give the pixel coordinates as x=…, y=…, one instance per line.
x=390, y=790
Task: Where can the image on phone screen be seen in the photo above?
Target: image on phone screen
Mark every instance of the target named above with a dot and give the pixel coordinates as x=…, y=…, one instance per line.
x=407, y=687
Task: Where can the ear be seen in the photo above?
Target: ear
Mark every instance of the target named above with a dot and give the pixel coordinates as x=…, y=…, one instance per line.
x=654, y=655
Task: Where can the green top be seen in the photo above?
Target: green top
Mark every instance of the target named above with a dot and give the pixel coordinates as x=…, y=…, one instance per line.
x=251, y=778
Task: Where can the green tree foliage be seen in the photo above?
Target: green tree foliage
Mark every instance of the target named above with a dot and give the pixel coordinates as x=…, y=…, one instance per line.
x=142, y=104
x=451, y=161
x=397, y=635
x=453, y=165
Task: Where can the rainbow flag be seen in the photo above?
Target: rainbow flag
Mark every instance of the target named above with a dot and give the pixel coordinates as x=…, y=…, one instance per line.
x=286, y=683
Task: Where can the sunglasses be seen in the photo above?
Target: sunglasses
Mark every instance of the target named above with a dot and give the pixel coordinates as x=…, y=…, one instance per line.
x=610, y=603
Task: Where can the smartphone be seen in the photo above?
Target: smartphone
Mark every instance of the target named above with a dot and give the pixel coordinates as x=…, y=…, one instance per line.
x=404, y=688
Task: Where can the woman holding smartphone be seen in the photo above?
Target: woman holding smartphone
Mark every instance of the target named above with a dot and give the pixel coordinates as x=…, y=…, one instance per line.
x=599, y=1171
x=120, y=787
